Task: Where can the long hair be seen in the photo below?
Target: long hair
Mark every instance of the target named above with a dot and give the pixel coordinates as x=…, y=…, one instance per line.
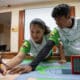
x=42, y=25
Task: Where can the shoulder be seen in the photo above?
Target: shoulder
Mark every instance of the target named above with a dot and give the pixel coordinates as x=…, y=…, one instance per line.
x=26, y=43
x=54, y=36
x=77, y=23
x=76, y=20
x=54, y=31
x=25, y=48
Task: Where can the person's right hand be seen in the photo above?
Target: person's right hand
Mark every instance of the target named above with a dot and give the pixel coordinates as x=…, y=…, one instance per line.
x=3, y=69
x=62, y=61
x=21, y=69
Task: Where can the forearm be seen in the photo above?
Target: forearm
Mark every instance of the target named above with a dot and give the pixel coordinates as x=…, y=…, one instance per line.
x=14, y=61
x=61, y=51
x=42, y=54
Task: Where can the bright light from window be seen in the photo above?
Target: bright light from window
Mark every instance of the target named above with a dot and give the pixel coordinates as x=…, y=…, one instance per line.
x=43, y=13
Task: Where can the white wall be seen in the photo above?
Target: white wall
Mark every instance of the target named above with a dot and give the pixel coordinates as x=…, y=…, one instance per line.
x=15, y=17
x=14, y=31
x=42, y=13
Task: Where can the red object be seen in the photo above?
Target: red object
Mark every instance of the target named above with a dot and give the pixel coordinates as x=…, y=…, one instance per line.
x=75, y=62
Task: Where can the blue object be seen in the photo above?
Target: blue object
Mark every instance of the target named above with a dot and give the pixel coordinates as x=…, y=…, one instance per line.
x=51, y=71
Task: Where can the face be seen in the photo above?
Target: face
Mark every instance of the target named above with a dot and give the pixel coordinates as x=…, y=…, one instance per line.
x=36, y=33
x=63, y=22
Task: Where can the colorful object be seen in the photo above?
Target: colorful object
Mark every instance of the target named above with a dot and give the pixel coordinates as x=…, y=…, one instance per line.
x=54, y=36
x=0, y=64
x=25, y=48
x=50, y=71
x=75, y=61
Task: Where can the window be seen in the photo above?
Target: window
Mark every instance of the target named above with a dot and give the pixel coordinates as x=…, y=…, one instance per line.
x=43, y=13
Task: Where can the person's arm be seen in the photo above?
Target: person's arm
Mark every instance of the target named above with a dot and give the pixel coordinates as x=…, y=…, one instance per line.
x=42, y=54
x=62, y=55
x=15, y=61
x=11, y=63
x=24, y=49
x=53, y=40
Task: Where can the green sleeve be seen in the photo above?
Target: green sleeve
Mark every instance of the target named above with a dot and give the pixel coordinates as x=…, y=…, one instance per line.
x=25, y=48
x=54, y=36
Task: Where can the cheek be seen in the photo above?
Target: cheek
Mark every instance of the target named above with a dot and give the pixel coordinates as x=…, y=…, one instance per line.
x=40, y=35
x=61, y=23
x=32, y=35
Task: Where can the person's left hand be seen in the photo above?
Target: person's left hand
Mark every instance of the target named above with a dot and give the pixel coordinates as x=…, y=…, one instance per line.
x=62, y=61
x=21, y=69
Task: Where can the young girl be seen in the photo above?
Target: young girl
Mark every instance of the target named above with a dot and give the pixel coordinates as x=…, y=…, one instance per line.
x=39, y=36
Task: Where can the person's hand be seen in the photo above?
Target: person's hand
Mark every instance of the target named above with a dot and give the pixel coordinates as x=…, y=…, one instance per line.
x=21, y=69
x=3, y=69
x=62, y=61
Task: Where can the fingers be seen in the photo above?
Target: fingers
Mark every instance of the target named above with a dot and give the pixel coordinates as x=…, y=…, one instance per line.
x=16, y=70
x=62, y=61
x=26, y=69
x=4, y=72
x=21, y=69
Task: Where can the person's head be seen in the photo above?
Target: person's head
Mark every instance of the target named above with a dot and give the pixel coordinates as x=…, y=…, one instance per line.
x=38, y=29
x=61, y=14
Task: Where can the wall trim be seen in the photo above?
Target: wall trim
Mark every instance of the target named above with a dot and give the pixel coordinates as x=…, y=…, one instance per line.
x=21, y=27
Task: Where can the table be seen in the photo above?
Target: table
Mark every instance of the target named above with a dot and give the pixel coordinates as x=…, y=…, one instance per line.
x=47, y=70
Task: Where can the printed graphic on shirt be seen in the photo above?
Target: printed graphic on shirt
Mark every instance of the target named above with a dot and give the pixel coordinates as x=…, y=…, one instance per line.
x=54, y=36
x=25, y=48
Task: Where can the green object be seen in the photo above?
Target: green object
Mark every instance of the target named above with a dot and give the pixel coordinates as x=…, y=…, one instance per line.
x=25, y=48
x=54, y=36
x=42, y=68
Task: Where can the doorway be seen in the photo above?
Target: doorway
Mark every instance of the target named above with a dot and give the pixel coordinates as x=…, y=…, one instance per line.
x=5, y=28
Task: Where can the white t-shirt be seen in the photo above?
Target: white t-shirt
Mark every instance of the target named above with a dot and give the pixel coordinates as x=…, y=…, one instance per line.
x=71, y=38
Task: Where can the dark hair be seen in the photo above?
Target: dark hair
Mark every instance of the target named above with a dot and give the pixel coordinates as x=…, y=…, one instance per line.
x=61, y=10
x=42, y=25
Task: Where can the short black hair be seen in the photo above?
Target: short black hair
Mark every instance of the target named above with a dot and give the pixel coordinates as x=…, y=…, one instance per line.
x=61, y=10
